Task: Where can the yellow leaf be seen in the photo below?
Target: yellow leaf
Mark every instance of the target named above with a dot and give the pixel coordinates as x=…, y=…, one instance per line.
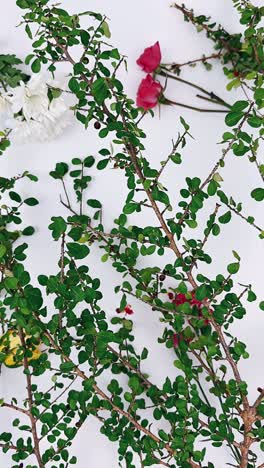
x=10, y=345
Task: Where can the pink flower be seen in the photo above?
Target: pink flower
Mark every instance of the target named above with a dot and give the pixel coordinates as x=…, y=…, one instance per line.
x=129, y=310
x=148, y=93
x=150, y=59
x=179, y=299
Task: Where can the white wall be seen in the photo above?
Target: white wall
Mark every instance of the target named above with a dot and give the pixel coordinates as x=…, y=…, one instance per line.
x=135, y=25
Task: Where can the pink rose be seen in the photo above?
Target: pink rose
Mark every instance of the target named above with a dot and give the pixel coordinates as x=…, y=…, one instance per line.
x=148, y=93
x=150, y=59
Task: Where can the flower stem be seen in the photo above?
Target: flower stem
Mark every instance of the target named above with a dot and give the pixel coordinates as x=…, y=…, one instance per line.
x=186, y=106
x=164, y=72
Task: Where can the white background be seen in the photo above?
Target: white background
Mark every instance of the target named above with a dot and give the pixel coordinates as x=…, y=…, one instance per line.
x=135, y=25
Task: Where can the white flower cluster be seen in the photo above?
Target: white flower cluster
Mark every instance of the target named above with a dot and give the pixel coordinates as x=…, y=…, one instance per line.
x=30, y=115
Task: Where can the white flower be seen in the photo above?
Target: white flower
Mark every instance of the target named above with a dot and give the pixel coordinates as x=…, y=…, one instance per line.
x=31, y=98
x=26, y=131
x=5, y=104
x=5, y=110
x=33, y=117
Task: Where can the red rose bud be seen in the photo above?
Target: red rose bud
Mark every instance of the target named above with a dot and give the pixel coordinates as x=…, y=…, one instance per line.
x=128, y=310
x=148, y=93
x=236, y=73
x=150, y=59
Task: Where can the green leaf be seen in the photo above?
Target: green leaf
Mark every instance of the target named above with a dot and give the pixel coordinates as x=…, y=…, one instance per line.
x=83, y=357
x=11, y=282
x=236, y=255
x=239, y=106
x=100, y=90
x=77, y=251
x=232, y=118
x=176, y=158
x=28, y=231
x=251, y=296
x=260, y=410
x=89, y=161
x=61, y=170
x=259, y=94
x=255, y=121
x=184, y=124
x=58, y=226
x=74, y=85
x=85, y=37
x=15, y=197
x=2, y=250
x=31, y=201
x=94, y=203
x=106, y=29
x=67, y=366
x=102, y=164
x=202, y=292
x=225, y=218
x=36, y=66
x=212, y=188
x=258, y=194
x=160, y=196
x=261, y=305
x=233, y=268
x=104, y=258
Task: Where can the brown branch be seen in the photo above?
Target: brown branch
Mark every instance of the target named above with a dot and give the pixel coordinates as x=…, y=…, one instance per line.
x=226, y=151
x=11, y=446
x=30, y=400
x=174, y=148
x=190, y=15
x=230, y=360
x=203, y=59
x=244, y=218
x=259, y=399
x=15, y=408
x=62, y=274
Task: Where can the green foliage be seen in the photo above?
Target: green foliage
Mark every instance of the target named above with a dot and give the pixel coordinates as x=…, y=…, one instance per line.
x=68, y=314
x=10, y=75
